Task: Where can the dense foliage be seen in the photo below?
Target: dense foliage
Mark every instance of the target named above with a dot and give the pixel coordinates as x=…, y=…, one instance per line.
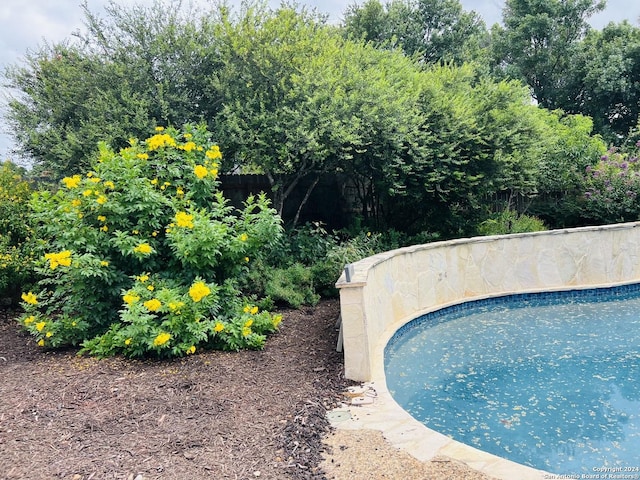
x=430, y=30
x=17, y=241
x=143, y=254
x=441, y=128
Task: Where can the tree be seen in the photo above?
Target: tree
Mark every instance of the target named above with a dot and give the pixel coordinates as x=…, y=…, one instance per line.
x=432, y=30
x=302, y=101
x=605, y=72
x=538, y=41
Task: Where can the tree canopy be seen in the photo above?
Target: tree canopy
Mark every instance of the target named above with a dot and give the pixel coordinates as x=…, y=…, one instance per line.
x=399, y=99
x=431, y=30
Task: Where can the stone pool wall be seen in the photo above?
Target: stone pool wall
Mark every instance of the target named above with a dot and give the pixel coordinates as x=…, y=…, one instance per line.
x=387, y=290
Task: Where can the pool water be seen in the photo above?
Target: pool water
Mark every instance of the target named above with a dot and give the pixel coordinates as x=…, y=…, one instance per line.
x=551, y=381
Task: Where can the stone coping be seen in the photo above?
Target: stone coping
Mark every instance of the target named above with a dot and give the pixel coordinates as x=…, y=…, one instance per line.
x=390, y=289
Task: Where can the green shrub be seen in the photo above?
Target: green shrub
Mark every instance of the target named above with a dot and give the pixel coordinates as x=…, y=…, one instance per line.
x=144, y=254
x=292, y=285
x=509, y=221
x=16, y=235
x=612, y=186
x=326, y=271
x=306, y=265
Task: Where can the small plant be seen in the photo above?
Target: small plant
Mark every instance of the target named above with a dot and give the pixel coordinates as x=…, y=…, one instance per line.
x=327, y=270
x=510, y=221
x=292, y=285
x=307, y=264
x=144, y=254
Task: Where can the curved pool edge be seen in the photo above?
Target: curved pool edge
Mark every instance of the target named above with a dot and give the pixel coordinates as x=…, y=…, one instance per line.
x=389, y=290
x=405, y=433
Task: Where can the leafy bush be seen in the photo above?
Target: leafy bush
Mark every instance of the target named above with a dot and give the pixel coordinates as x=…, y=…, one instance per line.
x=612, y=186
x=16, y=235
x=510, y=221
x=292, y=285
x=144, y=254
x=326, y=271
x=307, y=263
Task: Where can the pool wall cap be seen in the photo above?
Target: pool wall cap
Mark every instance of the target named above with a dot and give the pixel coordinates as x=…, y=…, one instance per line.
x=358, y=277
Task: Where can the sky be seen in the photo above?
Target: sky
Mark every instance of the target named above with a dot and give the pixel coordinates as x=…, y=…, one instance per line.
x=26, y=25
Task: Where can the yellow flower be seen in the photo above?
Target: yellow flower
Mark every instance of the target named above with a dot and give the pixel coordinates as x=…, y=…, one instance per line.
x=246, y=331
x=49, y=334
x=87, y=192
x=183, y=219
x=173, y=306
x=198, y=291
x=143, y=156
x=94, y=180
x=276, y=320
x=244, y=237
x=143, y=248
x=76, y=202
x=143, y=278
x=30, y=298
x=159, y=129
x=219, y=327
x=248, y=323
x=246, y=259
x=102, y=218
x=109, y=184
x=159, y=141
x=130, y=298
x=188, y=136
x=101, y=200
x=187, y=147
x=214, y=152
x=104, y=228
x=191, y=349
x=153, y=305
x=73, y=324
x=200, y=171
x=214, y=172
x=161, y=339
x=40, y=326
x=154, y=181
x=63, y=258
x=71, y=182
x=29, y=320
x=179, y=191
x=41, y=342
x=104, y=263
x=127, y=341
x=151, y=288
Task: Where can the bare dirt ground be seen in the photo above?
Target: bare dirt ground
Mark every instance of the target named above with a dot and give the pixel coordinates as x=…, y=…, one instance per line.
x=213, y=415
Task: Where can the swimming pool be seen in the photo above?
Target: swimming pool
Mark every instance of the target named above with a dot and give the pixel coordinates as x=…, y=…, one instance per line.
x=546, y=380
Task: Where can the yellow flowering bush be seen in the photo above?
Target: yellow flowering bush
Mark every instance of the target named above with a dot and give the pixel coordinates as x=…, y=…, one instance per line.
x=145, y=253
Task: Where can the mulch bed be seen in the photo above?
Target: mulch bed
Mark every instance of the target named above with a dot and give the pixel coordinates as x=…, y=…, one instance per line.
x=214, y=415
